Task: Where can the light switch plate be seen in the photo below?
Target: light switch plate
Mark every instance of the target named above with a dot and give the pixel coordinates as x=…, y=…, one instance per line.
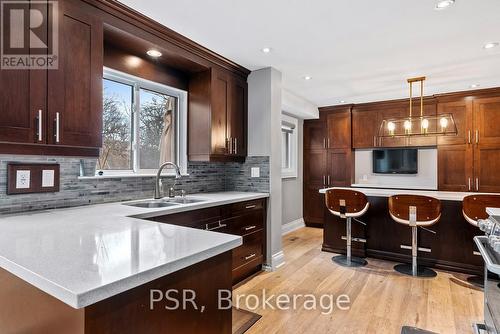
x=48, y=176
x=23, y=179
x=255, y=172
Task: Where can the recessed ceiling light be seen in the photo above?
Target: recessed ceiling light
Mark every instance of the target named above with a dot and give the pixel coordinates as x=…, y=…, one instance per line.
x=307, y=77
x=490, y=45
x=443, y=4
x=154, y=53
x=474, y=85
x=341, y=101
x=266, y=50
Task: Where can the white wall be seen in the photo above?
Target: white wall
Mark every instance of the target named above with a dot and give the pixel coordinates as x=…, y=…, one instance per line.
x=425, y=179
x=264, y=139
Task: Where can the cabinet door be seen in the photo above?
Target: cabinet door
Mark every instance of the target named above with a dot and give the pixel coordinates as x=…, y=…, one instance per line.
x=75, y=88
x=455, y=168
x=486, y=119
x=315, y=167
x=237, y=117
x=388, y=114
x=364, y=129
x=486, y=175
x=339, y=130
x=462, y=115
x=221, y=87
x=339, y=168
x=314, y=135
x=314, y=205
x=23, y=96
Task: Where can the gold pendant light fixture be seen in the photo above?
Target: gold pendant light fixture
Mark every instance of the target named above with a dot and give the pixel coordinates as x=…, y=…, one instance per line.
x=418, y=125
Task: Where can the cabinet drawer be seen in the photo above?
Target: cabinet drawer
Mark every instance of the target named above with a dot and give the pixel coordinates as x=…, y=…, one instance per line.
x=197, y=218
x=246, y=223
x=248, y=269
x=246, y=206
x=251, y=249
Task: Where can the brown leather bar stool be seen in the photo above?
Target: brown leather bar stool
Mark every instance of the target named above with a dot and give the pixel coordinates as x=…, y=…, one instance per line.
x=347, y=204
x=474, y=209
x=415, y=211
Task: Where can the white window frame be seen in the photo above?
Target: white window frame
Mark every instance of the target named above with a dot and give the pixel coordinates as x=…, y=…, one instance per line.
x=180, y=125
x=291, y=123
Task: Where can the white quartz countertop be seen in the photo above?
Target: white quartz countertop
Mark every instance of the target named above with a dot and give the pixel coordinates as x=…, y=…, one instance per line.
x=383, y=192
x=493, y=212
x=86, y=254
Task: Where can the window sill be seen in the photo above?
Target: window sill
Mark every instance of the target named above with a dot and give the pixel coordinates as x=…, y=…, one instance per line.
x=125, y=176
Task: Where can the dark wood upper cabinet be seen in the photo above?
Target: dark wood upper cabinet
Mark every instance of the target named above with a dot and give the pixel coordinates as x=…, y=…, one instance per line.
x=314, y=135
x=486, y=119
x=364, y=128
x=238, y=115
x=339, y=129
x=217, y=122
x=486, y=176
x=75, y=88
x=388, y=114
x=462, y=115
x=340, y=168
x=429, y=109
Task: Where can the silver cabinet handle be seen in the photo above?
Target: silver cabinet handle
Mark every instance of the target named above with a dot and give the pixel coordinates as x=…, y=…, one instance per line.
x=230, y=150
x=220, y=225
x=328, y=182
x=324, y=142
x=469, y=184
x=39, y=124
x=469, y=134
x=477, y=184
x=250, y=206
x=324, y=180
x=248, y=228
x=328, y=143
x=250, y=256
x=235, y=145
x=477, y=136
x=56, y=134
x=374, y=141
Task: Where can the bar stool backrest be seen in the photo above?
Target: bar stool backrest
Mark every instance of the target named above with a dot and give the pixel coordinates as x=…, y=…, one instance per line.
x=356, y=203
x=428, y=209
x=474, y=207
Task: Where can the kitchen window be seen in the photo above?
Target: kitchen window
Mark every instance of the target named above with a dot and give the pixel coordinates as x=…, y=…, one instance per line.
x=144, y=125
x=289, y=146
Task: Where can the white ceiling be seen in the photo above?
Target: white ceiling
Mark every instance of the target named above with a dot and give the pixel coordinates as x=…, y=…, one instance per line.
x=357, y=51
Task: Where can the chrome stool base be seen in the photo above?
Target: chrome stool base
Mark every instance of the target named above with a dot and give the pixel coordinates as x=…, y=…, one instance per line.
x=341, y=260
x=406, y=269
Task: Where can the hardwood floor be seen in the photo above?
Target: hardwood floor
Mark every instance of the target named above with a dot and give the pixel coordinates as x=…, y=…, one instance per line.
x=382, y=301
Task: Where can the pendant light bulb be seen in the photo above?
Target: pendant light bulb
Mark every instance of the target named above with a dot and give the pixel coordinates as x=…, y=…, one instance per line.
x=391, y=126
x=443, y=122
x=407, y=125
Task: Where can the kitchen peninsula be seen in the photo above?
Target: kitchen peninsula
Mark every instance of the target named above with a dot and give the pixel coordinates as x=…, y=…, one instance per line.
x=91, y=269
x=451, y=248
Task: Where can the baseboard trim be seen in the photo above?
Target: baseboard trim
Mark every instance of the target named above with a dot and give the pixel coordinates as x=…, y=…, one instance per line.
x=277, y=260
x=292, y=226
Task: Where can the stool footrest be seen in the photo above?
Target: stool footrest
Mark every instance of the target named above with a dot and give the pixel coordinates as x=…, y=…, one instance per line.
x=354, y=239
x=421, y=249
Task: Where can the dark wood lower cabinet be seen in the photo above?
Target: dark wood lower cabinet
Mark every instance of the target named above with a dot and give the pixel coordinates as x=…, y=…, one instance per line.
x=128, y=312
x=247, y=219
x=452, y=247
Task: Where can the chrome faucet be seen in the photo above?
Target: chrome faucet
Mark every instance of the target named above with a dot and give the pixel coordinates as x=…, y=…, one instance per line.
x=158, y=175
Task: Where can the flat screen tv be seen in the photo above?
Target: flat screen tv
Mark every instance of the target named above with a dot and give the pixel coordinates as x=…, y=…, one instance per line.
x=395, y=161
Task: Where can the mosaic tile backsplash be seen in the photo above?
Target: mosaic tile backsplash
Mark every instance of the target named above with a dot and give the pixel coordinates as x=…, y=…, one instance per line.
x=203, y=177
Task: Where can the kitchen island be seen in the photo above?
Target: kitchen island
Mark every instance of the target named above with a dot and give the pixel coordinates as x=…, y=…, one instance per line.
x=451, y=248
x=96, y=269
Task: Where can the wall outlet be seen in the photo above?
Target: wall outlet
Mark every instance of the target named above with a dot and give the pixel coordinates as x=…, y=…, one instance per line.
x=255, y=172
x=23, y=179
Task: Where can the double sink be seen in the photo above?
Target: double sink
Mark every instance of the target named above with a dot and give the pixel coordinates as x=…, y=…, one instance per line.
x=164, y=202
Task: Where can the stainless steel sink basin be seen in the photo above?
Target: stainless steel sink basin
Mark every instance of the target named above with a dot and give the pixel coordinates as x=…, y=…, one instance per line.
x=151, y=204
x=184, y=200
